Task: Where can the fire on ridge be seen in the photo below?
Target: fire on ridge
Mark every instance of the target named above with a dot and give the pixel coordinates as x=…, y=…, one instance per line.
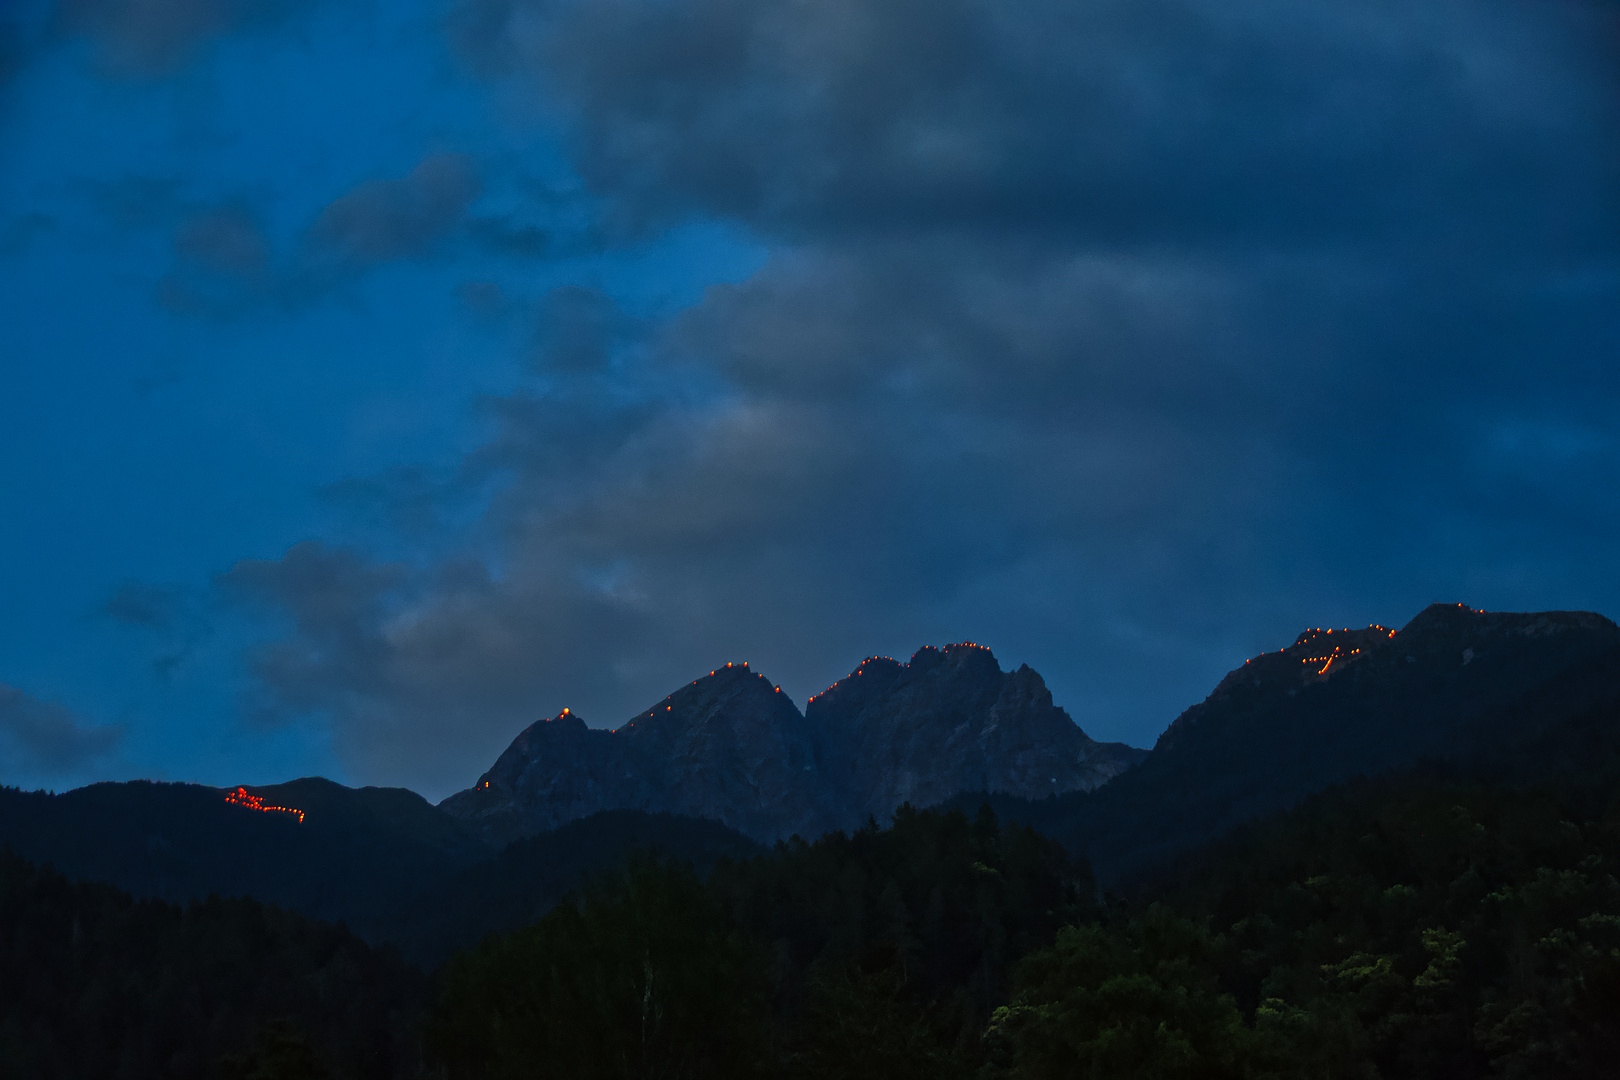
x=242, y=797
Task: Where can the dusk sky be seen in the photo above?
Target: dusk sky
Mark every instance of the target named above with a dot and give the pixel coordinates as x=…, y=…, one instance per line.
x=377, y=378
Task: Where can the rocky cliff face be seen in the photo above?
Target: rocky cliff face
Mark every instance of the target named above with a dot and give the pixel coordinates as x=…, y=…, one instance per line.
x=730, y=746
x=950, y=721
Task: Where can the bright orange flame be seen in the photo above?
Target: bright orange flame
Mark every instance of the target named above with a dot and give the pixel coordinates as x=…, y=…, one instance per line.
x=241, y=797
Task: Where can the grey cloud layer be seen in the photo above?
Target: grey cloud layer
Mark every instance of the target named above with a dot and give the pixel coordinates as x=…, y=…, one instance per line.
x=39, y=739
x=1113, y=120
x=154, y=37
x=1111, y=335
x=225, y=263
x=384, y=220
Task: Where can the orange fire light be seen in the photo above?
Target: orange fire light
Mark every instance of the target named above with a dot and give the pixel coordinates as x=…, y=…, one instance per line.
x=241, y=797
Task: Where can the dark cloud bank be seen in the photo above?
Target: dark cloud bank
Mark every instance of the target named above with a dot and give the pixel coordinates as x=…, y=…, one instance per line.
x=225, y=264
x=1124, y=337
x=149, y=38
x=41, y=738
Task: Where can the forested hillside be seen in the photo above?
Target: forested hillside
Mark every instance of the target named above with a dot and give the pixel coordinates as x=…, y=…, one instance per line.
x=1426, y=926
x=94, y=984
x=1420, y=927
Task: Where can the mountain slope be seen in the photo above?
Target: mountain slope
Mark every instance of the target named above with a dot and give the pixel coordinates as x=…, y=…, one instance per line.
x=355, y=855
x=729, y=746
x=1454, y=684
x=384, y=861
x=94, y=983
x=531, y=875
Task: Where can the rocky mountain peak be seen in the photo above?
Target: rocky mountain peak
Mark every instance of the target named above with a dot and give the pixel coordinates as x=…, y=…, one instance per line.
x=727, y=695
x=962, y=678
x=950, y=720
x=731, y=746
x=552, y=735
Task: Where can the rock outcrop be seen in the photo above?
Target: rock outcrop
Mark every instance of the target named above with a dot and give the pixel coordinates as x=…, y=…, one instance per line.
x=731, y=746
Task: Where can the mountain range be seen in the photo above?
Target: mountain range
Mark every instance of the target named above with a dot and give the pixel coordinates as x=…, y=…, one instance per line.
x=732, y=747
x=727, y=762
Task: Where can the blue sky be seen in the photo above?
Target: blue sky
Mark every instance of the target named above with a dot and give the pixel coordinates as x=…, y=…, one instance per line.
x=380, y=377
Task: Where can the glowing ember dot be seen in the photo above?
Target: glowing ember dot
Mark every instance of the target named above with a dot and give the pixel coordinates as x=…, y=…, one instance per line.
x=240, y=797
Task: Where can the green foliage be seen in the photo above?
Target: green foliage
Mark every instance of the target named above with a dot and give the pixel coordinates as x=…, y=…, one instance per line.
x=859, y=1023
x=640, y=978
x=1138, y=1001
x=530, y=876
x=96, y=984
x=279, y=1052
x=878, y=955
x=1409, y=929
x=952, y=902
x=1432, y=930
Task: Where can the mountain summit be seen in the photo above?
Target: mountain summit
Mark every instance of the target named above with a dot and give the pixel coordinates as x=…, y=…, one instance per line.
x=731, y=746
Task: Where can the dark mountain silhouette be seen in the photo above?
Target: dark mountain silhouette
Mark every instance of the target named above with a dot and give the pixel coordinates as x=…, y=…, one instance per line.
x=531, y=875
x=727, y=752
x=356, y=855
x=1482, y=693
x=732, y=747
x=729, y=746
x=1485, y=692
x=951, y=720
x=1454, y=915
x=94, y=983
x=384, y=861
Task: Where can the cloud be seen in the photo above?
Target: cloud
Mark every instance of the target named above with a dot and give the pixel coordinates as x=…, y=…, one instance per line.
x=485, y=299
x=1102, y=466
x=222, y=264
x=13, y=51
x=42, y=740
x=578, y=329
x=151, y=38
x=138, y=603
x=398, y=682
x=383, y=220
x=19, y=234
x=226, y=240
x=225, y=264
x=504, y=236
x=1126, y=339
x=136, y=201
x=1117, y=121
